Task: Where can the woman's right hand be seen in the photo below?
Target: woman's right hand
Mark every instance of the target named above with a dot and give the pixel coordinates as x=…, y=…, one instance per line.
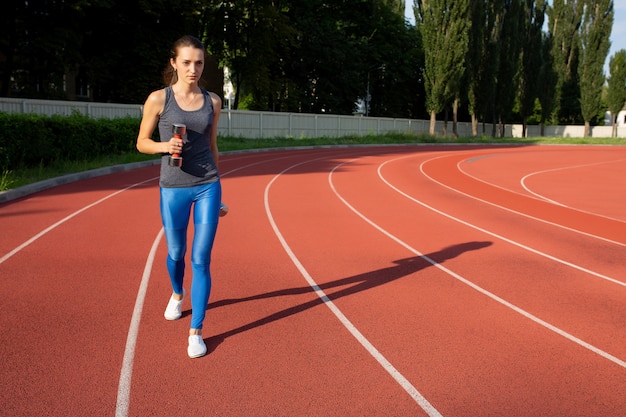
x=175, y=145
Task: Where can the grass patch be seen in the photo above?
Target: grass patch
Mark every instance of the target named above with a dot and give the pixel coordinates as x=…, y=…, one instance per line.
x=20, y=177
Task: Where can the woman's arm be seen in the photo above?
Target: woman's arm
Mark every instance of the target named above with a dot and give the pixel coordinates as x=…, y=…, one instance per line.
x=151, y=112
x=217, y=109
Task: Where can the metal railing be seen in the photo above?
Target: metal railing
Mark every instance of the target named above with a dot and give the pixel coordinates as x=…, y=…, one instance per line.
x=255, y=124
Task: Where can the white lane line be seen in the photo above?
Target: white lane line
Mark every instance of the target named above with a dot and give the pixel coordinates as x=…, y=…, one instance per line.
x=126, y=373
x=526, y=177
x=369, y=347
x=60, y=222
x=527, y=215
x=467, y=282
x=123, y=390
x=537, y=196
x=519, y=213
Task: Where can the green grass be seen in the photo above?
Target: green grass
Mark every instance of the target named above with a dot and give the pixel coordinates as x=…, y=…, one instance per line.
x=20, y=177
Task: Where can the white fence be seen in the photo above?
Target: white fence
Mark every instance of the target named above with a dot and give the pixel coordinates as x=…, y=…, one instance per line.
x=254, y=124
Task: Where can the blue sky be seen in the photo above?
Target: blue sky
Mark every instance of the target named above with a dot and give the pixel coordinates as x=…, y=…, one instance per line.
x=618, y=35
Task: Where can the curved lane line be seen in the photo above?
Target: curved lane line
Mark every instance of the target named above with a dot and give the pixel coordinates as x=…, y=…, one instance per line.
x=369, y=347
x=60, y=222
x=483, y=291
x=518, y=244
x=469, y=283
x=123, y=390
x=126, y=373
x=537, y=196
x=520, y=214
x=523, y=184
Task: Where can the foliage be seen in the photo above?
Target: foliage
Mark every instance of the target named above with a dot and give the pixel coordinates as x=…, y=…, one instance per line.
x=564, y=20
x=444, y=27
x=509, y=63
x=317, y=56
x=595, y=31
x=616, y=95
x=532, y=56
x=28, y=140
x=547, y=80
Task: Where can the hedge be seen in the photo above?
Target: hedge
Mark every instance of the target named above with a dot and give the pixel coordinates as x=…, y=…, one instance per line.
x=29, y=140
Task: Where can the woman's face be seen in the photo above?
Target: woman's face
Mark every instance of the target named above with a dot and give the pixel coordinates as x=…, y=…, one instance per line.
x=189, y=64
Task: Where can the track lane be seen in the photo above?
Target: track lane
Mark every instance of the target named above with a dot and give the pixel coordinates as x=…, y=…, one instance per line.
x=494, y=273
x=65, y=296
x=565, y=284
x=276, y=350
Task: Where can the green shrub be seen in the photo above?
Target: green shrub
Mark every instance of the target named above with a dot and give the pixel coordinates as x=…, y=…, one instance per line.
x=28, y=140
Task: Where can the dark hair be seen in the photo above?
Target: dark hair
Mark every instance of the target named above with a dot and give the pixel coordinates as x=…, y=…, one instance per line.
x=169, y=75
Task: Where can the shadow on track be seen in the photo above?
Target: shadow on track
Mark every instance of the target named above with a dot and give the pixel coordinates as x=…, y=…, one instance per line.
x=361, y=282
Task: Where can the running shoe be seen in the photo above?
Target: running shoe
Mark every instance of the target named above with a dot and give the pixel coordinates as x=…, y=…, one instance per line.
x=196, y=347
x=174, y=309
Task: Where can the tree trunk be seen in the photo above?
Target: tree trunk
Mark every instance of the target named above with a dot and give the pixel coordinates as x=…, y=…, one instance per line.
x=587, y=129
x=614, y=124
x=474, y=125
x=433, y=122
x=455, y=111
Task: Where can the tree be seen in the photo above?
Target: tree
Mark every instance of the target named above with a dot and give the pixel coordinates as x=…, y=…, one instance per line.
x=547, y=81
x=564, y=19
x=250, y=37
x=616, y=97
x=475, y=62
x=595, y=32
x=444, y=27
x=534, y=15
x=509, y=63
x=40, y=41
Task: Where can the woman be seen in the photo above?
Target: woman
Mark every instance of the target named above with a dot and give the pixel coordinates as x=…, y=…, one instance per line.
x=194, y=185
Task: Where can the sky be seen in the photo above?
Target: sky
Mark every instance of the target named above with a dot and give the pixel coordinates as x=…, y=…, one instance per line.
x=618, y=34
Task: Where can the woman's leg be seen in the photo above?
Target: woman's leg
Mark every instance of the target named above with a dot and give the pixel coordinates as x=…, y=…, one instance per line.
x=206, y=215
x=175, y=212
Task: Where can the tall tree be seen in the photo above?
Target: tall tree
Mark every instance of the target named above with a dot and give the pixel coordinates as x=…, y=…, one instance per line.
x=534, y=16
x=484, y=59
x=565, y=17
x=509, y=63
x=595, y=33
x=394, y=58
x=616, y=96
x=444, y=27
x=250, y=37
x=475, y=62
x=547, y=81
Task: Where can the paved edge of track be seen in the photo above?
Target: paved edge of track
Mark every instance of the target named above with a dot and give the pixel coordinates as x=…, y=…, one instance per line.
x=26, y=190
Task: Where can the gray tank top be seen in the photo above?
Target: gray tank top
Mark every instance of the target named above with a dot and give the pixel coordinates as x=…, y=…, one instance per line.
x=198, y=163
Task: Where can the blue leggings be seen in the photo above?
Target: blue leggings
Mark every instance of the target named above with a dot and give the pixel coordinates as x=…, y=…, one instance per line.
x=176, y=205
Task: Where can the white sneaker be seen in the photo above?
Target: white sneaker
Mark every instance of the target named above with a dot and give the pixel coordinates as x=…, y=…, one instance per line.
x=196, y=346
x=174, y=309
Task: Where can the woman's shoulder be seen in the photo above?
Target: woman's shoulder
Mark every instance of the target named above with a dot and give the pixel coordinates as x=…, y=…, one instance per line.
x=217, y=100
x=157, y=96
x=155, y=101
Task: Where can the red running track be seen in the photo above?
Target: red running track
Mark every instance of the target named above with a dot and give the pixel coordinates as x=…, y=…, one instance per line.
x=362, y=281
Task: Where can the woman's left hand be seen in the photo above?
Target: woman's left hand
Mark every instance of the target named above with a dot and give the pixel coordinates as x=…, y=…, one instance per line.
x=223, y=209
